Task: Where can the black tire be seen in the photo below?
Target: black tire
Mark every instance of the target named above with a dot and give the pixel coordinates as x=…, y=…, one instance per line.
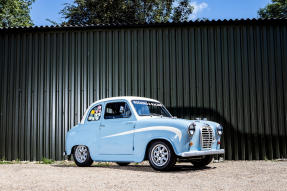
x=170, y=156
x=202, y=162
x=84, y=163
x=123, y=163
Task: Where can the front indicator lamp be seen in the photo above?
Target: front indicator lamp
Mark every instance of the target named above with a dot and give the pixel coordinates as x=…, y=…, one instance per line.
x=191, y=129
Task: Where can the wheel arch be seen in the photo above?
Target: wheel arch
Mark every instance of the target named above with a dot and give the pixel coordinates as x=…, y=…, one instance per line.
x=74, y=147
x=168, y=142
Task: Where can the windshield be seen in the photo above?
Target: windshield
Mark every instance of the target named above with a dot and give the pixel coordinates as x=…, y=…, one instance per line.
x=148, y=108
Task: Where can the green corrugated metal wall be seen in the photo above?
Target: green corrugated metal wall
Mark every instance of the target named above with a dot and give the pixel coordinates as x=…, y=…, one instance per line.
x=231, y=72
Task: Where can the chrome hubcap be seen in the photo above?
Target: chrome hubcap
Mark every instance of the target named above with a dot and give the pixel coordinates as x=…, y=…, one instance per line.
x=159, y=155
x=81, y=153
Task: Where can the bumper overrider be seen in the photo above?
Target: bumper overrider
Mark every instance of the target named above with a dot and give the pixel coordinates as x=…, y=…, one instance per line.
x=202, y=153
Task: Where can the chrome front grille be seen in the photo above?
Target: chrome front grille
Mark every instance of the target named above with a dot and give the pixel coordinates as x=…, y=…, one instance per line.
x=206, y=137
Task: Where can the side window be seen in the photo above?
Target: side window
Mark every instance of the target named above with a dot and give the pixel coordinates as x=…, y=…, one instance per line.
x=95, y=113
x=117, y=110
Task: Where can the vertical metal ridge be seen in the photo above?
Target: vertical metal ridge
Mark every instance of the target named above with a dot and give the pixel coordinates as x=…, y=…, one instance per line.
x=284, y=89
x=1, y=93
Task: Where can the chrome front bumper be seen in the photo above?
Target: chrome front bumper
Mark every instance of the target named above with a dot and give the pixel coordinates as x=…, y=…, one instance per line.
x=202, y=153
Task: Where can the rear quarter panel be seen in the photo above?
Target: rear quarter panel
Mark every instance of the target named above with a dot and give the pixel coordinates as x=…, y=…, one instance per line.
x=81, y=135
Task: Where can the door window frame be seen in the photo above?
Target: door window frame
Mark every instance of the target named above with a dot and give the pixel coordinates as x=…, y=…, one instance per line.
x=117, y=101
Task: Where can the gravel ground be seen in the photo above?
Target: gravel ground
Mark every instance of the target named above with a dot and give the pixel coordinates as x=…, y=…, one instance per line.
x=227, y=175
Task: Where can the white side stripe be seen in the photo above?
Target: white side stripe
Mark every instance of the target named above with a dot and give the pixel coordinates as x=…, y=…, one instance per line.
x=164, y=128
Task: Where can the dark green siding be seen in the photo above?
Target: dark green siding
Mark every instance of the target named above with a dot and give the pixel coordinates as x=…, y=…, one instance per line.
x=234, y=73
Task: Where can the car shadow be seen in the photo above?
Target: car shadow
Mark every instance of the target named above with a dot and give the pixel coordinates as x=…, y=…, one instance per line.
x=147, y=168
x=144, y=168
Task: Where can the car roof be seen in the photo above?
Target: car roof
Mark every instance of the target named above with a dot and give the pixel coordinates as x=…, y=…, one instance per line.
x=128, y=98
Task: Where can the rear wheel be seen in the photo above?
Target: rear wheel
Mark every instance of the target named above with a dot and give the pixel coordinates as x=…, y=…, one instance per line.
x=202, y=162
x=82, y=156
x=161, y=156
x=123, y=163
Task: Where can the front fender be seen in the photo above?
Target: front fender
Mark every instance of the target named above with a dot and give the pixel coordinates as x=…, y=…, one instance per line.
x=143, y=136
x=172, y=143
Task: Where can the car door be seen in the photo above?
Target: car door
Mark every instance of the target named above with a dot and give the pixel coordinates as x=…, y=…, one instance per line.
x=117, y=129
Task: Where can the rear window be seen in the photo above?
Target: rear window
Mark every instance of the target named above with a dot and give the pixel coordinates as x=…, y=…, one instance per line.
x=95, y=113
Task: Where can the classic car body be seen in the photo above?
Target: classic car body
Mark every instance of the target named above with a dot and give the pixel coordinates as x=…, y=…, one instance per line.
x=121, y=129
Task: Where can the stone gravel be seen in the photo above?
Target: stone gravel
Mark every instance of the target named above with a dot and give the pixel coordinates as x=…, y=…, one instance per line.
x=227, y=175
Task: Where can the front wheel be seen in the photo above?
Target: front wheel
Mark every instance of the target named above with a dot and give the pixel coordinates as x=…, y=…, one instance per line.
x=161, y=156
x=82, y=156
x=202, y=162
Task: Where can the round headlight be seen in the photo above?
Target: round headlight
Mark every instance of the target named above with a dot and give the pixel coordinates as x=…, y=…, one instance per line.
x=191, y=129
x=219, y=130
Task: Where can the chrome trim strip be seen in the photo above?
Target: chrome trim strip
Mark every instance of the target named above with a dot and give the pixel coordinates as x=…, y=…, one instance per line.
x=202, y=153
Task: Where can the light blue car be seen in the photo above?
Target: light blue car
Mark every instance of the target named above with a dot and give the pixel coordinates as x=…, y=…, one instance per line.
x=133, y=129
